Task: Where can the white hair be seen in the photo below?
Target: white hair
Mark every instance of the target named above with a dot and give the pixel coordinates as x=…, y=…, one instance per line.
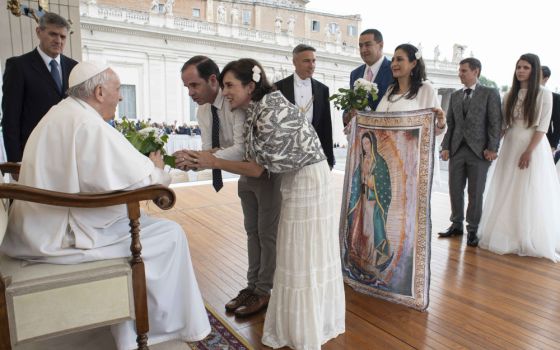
x=86, y=89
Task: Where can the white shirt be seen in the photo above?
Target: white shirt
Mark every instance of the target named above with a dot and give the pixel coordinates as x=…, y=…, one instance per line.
x=47, y=59
x=472, y=87
x=374, y=69
x=303, y=96
x=231, y=128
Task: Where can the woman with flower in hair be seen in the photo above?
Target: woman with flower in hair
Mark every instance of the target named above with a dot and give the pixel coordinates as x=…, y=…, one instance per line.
x=307, y=305
x=520, y=214
x=410, y=90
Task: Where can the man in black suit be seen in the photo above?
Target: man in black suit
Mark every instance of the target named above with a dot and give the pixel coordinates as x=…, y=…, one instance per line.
x=310, y=96
x=553, y=133
x=33, y=83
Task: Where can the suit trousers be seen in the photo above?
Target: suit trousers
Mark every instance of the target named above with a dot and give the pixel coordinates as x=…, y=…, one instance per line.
x=466, y=167
x=261, y=202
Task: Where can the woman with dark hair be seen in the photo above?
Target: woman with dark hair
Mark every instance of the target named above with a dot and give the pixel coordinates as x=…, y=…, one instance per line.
x=520, y=215
x=307, y=306
x=410, y=90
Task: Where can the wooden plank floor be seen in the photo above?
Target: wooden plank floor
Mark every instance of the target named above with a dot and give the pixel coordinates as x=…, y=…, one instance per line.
x=478, y=300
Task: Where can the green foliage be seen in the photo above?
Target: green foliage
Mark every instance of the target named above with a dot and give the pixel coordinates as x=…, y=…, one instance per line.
x=357, y=98
x=487, y=82
x=145, y=140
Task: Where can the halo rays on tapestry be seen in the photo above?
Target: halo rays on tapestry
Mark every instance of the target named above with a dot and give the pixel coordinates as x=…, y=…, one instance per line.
x=385, y=222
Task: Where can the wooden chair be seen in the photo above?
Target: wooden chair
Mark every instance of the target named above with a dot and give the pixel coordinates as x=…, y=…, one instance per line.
x=39, y=301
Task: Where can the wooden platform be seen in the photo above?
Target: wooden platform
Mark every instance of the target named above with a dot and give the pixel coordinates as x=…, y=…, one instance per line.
x=478, y=300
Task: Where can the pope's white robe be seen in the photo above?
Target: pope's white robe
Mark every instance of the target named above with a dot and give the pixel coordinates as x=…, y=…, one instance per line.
x=72, y=150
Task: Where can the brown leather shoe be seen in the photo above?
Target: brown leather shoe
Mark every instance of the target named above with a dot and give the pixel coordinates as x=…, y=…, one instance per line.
x=239, y=300
x=252, y=305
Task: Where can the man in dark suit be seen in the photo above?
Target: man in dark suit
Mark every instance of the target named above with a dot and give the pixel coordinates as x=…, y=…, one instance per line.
x=376, y=67
x=553, y=133
x=33, y=83
x=471, y=143
x=310, y=95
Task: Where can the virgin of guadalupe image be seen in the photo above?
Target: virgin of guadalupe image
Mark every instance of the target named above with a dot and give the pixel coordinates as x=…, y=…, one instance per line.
x=369, y=252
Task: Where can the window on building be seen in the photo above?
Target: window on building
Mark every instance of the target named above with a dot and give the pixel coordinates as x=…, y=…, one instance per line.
x=127, y=107
x=352, y=30
x=333, y=28
x=161, y=8
x=315, y=26
x=246, y=17
x=196, y=13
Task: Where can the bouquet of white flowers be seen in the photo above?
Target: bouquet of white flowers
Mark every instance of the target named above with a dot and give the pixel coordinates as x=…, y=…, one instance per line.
x=357, y=98
x=146, y=140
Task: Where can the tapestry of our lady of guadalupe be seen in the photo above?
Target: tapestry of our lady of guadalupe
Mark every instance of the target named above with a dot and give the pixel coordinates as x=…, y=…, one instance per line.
x=385, y=221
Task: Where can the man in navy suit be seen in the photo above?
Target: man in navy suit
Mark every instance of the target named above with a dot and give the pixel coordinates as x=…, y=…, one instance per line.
x=376, y=67
x=311, y=96
x=33, y=83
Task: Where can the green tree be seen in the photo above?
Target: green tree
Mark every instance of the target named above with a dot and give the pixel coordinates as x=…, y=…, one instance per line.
x=504, y=88
x=487, y=82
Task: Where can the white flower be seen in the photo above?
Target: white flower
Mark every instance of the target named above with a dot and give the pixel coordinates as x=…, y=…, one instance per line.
x=366, y=85
x=418, y=55
x=148, y=130
x=256, y=74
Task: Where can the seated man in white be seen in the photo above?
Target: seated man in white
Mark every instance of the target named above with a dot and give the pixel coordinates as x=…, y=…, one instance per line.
x=73, y=149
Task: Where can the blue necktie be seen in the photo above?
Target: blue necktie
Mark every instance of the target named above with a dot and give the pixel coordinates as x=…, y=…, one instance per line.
x=216, y=173
x=56, y=75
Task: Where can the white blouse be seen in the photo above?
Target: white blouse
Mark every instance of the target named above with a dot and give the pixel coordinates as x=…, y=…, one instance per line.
x=425, y=98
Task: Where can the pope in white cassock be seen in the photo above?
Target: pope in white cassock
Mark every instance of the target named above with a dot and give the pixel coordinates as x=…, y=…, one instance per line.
x=73, y=149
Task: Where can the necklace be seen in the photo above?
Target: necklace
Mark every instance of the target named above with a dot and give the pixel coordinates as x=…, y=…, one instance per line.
x=305, y=109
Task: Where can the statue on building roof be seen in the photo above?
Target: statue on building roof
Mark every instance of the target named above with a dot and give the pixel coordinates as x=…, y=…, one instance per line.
x=436, y=53
x=221, y=14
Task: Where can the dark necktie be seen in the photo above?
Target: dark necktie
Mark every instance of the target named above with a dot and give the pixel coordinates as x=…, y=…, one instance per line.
x=56, y=75
x=216, y=173
x=466, y=101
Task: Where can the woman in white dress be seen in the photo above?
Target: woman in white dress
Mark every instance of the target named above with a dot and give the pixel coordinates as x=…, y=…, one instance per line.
x=521, y=213
x=411, y=91
x=307, y=305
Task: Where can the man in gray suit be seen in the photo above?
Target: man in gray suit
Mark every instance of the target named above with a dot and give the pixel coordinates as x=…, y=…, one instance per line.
x=471, y=143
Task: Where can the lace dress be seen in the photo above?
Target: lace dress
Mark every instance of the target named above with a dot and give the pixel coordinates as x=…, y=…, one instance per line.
x=521, y=212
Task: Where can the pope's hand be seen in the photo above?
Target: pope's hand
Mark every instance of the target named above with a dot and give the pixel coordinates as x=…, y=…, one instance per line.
x=157, y=159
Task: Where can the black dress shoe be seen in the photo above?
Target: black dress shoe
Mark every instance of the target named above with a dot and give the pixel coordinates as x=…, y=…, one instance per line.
x=472, y=239
x=451, y=231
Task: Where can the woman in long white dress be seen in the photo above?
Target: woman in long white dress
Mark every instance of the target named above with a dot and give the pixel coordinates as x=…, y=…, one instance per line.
x=522, y=210
x=307, y=305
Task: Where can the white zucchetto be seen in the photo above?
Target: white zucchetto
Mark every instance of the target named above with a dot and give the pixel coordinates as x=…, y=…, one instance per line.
x=84, y=71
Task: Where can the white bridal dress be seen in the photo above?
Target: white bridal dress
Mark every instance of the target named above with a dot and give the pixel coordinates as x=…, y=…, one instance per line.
x=521, y=214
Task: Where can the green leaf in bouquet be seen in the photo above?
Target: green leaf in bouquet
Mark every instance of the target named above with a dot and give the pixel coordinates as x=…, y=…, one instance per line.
x=169, y=160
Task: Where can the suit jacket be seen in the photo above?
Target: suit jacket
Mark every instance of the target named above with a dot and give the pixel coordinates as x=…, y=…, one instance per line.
x=29, y=91
x=480, y=127
x=321, y=112
x=553, y=133
x=383, y=79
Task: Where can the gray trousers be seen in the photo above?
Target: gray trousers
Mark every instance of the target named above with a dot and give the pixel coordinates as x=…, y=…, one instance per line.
x=465, y=167
x=261, y=201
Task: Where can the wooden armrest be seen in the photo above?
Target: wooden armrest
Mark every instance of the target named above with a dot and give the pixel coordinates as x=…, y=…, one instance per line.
x=10, y=168
x=162, y=196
